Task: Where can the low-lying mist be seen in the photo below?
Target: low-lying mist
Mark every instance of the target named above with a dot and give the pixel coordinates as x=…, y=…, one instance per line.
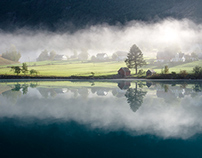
x=184, y=35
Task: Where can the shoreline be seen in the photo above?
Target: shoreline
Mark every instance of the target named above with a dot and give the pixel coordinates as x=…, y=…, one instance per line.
x=89, y=78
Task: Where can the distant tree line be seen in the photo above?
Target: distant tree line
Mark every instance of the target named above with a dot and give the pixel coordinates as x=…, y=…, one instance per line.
x=45, y=55
x=12, y=54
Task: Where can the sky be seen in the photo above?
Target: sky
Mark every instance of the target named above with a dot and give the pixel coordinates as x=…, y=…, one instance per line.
x=151, y=38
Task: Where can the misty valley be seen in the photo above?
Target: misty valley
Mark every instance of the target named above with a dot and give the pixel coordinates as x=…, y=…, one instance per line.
x=109, y=118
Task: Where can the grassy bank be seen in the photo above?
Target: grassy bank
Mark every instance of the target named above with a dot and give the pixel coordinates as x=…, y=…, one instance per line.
x=101, y=69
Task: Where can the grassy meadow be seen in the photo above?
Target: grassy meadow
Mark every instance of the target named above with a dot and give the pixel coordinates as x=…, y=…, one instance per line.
x=78, y=68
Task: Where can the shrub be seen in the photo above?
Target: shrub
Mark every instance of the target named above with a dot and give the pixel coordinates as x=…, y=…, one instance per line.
x=197, y=71
x=141, y=72
x=183, y=73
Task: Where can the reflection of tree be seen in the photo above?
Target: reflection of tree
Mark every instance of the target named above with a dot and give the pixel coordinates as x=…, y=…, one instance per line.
x=124, y=85
x=17, y=87
x=25, y=88
x=32, y=85
x=166, y=88
x=197, y=87
x=135, y=97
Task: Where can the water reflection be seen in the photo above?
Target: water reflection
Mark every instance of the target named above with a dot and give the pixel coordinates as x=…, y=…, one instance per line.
x=166, y=109
x=135, y=97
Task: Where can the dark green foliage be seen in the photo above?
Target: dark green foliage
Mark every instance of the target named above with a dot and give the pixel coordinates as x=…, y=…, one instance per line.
x=12, y=54
x=173, y=73
x=24, y=68
x=135, y=58
x=32, y=71
x=197, y=71
x=16, y=69
x=17, y=87
x=197, y=87
x=183, y=73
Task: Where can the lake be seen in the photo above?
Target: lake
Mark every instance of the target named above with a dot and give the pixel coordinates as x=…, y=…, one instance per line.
x=109, y=118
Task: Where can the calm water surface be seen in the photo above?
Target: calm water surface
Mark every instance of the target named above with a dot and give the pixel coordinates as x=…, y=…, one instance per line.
x=101, y=119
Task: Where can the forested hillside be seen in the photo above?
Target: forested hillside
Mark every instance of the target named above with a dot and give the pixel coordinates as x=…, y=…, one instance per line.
x=76, y=14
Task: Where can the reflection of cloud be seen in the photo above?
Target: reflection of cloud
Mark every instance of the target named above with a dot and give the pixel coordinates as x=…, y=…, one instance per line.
x=155, y=116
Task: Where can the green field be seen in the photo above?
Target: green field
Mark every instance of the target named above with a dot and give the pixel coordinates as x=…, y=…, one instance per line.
x=78, y=68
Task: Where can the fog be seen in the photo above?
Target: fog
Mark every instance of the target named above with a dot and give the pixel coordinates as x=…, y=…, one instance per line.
x=164, y=114
x=149, y=37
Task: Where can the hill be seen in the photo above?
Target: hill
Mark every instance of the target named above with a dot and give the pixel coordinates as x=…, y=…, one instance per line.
x=4, y=61
x=76, y=14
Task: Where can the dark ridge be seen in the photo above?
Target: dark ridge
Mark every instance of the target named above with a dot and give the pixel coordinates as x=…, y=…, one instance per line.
x=72, y=15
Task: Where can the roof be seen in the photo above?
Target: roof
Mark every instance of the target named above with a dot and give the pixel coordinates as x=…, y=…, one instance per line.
x=151, y=71
x=125, y=69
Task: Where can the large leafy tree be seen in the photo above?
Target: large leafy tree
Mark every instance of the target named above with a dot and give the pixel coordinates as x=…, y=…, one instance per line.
x=16, y=69
x=135, y=58
x=24, y=68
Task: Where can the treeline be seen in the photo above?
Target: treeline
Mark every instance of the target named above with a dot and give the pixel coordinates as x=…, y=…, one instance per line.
x=12, y=54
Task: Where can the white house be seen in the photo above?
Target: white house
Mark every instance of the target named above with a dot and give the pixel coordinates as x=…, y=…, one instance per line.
x=179, y=57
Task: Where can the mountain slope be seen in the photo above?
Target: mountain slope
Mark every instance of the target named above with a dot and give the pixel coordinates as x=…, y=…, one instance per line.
x=4, y=61
x=75, y=14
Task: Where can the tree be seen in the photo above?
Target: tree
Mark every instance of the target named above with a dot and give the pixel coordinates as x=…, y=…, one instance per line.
x=52, y=55
x=16, y=69
x=135, y=58
x=12, y=54
x=24, y=68
x=43, y=56
x=135, y=97
x=166, y=70
x=197, y=71
x=32, y=71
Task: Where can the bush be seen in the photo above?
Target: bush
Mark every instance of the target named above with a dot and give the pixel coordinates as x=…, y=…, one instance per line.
x=141, y=72
x=197, y=71
x=183, y=73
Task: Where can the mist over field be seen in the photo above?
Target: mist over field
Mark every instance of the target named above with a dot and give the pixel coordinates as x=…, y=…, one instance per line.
x=151, y=37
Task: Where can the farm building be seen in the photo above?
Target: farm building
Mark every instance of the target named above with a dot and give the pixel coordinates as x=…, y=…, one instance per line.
x=124, y=85
x=124, y=71
x=150, y=72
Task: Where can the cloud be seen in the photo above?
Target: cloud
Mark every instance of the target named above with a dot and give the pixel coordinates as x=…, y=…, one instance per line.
x=161, y=116
x=150, y=37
